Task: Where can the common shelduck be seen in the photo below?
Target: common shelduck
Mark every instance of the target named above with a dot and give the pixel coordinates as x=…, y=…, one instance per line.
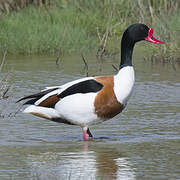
x=92, y=100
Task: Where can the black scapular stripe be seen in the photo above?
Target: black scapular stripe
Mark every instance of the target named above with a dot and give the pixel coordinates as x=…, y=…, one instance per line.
x=82, y=87
x=34, y=97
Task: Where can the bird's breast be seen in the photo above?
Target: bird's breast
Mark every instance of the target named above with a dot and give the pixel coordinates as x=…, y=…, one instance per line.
x=124, y=83
x=106, y=104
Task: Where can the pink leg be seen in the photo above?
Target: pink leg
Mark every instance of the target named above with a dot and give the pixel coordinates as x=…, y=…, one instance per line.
x=87, y=134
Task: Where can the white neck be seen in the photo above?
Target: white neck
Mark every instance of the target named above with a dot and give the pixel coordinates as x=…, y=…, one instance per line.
x=123, y=84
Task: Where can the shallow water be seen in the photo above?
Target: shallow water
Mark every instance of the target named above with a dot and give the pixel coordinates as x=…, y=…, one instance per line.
x=143, y=142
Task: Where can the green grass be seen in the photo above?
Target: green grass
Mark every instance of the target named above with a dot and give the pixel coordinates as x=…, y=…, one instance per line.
x=34, y=31
x=73, y=26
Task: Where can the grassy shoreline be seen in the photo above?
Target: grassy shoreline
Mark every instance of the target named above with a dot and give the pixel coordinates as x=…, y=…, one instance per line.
x=82, y=26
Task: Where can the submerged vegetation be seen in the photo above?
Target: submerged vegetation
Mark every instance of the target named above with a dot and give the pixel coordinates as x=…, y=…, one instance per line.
x=4, y=80
x=56, y=26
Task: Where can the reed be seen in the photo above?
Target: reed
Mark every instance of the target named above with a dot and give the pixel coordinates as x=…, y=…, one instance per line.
x=15, y=5
x=4, y=78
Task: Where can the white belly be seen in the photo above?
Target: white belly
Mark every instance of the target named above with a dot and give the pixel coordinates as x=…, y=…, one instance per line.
x=78, y=109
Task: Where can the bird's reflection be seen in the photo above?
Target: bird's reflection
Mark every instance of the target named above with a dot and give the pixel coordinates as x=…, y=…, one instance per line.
x=88, y=162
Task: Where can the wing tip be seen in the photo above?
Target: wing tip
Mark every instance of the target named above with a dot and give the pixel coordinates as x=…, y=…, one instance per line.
x=35, y=97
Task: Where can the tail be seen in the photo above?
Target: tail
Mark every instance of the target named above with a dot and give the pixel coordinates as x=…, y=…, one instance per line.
x=43, y=112
x=44, y=109
x=47, y=113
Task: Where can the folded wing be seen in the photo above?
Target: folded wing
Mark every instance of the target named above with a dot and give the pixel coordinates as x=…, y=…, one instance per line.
x=50, y=96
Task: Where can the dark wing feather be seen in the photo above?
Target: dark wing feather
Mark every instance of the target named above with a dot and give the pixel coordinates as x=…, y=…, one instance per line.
x=87, y=86
x=34, y=97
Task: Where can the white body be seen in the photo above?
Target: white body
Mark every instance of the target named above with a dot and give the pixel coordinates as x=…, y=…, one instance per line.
x=79, y=108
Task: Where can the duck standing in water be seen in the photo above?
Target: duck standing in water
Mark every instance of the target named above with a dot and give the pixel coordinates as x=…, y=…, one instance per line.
x=92, y=100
